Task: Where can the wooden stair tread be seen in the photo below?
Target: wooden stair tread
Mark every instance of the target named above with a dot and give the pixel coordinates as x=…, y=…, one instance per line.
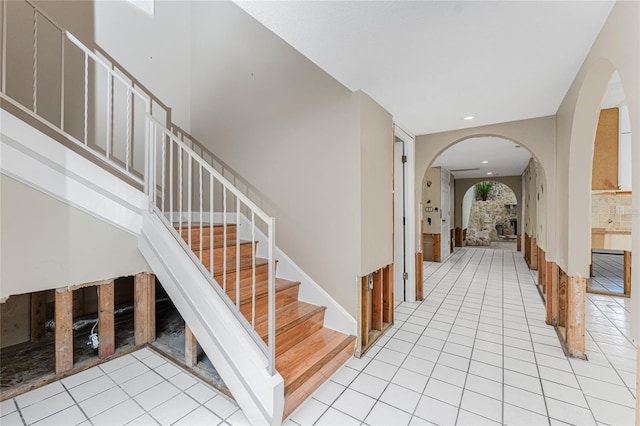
x=231, y=266
x=218, y=244
x=287, y=317
x=309, y=356
x=262, y=289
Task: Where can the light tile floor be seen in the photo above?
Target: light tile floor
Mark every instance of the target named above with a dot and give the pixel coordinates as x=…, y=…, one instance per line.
x=141, y=388
x=476, y=351
x=608, y=272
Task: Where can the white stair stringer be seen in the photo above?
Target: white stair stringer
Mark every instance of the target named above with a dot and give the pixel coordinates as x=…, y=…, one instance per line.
x=237, y=358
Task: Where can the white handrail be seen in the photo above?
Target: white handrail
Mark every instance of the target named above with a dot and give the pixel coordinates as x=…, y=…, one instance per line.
x=157, y=167
x=235, y=191
x=153, y=131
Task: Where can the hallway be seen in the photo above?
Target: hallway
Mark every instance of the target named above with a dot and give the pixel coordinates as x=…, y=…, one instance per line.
x=477, y=351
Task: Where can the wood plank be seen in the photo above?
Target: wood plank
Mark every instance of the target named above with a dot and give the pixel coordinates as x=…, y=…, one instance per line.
x=388, y=284
x=437, y=255
x=377, y=301
x=190, y=347
x=542, y=270
x=38, y=315
x=419, y=276
x=144, y=308
x=518, y=243
x=365, y=312
x=627, y=273
x=605, y=169
x=106, y=326
x=576, y=301
x=534, y=254
x=459, y=237
x=562, y=299
x=64, y=330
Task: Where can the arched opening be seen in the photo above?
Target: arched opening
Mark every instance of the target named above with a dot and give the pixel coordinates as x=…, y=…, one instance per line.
x=489, y=214
x=445, y=198
x=611, y=197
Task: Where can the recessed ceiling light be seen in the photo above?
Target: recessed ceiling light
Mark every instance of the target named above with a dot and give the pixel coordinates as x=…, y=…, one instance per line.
x=489, y=173
x=469, y=117
x=485, y=161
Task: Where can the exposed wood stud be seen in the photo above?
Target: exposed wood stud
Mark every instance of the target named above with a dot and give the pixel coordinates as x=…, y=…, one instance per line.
x=518, y=243
x=38, y=315
x=365, y=318
x=144, y=321
x=562, y=299
x=576, y=299
x=555, y=293
x=627, y=273
x=387, y=280
x=419, y=276
x=64, y=330
x=106, y=327
x=377, y=301
x=190, y=348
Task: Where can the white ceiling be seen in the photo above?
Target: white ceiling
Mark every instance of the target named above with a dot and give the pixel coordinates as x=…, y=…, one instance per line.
x=430, y=63
x=504, y=159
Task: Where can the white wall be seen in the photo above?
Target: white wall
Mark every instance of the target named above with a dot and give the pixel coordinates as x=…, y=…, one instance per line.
x=295, y=133
x=48, y=244
x=376, y=185
x=467, y=200
x=156, y=49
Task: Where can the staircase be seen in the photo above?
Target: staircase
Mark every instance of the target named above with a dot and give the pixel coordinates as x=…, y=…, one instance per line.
x=211, y=247
x=307, y=353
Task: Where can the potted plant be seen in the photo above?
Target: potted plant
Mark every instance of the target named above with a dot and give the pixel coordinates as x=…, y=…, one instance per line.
x=483, y=189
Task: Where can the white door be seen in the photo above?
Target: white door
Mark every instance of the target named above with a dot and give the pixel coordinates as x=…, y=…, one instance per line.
x=399, y=233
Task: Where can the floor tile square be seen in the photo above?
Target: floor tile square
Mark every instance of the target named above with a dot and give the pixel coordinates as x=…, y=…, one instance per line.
x=12, y=419
x=103, y=401
x=516, y=416
x=68, y=416
x=199, y=416
x=569, y=413
x=466, y=418
x=391, y=357
x=328, y=392
x=522, y=381
x=156, y=395
x=128, y=372
x=309, y=412
x=401, y=398
x=175, y=408
x=385, y=415
x=82, y=377
x=484, y=386
x=121, y=414
x=7, y=406
x=333, y=417
x=369, y=385
x=380, y=369
x=354, y=404
x=201, y=392
x=345, y=375
x=444, y=392
x=610, y=413
x=221, y=406
x=449, y=375
x=238, y=419
x=482, y=405
x=436, y=411
x=39, y=394
x=46, y=407
x=410, y=380
x=117, y=363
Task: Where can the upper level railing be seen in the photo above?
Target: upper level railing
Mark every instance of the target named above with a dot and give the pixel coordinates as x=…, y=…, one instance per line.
x=49, y=75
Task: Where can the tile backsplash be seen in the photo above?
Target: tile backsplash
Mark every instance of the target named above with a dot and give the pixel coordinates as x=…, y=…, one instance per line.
x=614, y=207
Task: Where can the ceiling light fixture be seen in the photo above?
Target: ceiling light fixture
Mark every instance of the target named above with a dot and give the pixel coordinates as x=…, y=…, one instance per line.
x=469, y=117
x=489, y=173
x=485, y=161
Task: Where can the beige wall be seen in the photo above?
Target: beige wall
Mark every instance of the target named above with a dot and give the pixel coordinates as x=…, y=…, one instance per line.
x=299, y=137
x=49, y=244
x=376, y=185
x=431, y=193
x=616, y=48
x=537, y=135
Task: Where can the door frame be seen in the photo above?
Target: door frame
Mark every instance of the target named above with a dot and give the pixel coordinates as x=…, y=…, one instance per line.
x=409, y=208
